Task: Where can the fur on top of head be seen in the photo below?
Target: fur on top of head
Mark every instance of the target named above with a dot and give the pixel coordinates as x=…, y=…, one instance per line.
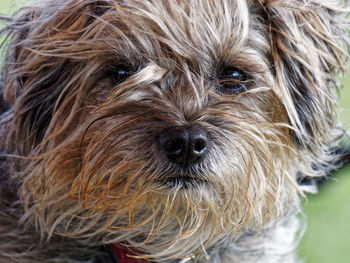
x=92, y=168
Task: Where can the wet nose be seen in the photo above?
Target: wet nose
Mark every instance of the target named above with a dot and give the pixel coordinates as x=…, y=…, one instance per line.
x=184, y=145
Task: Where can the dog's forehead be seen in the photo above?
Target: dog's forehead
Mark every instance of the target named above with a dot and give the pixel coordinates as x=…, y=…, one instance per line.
x=196, y=29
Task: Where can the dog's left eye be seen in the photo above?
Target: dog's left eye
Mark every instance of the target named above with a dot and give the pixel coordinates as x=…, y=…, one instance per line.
x=232, y=81
x=119, y=74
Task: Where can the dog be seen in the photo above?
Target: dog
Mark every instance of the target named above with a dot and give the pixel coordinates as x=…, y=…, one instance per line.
x=166, y=131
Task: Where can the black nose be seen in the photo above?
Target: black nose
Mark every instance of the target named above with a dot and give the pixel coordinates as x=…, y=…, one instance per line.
x=184, y=145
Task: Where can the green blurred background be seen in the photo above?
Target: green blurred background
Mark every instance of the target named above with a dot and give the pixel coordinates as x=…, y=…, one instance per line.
x=327, y=239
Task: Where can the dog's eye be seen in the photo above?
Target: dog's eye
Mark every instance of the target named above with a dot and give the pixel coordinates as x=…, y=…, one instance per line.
x=120, y=73
x=232, y=81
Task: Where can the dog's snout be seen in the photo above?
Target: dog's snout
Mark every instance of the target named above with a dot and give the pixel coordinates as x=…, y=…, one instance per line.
x=184, y=145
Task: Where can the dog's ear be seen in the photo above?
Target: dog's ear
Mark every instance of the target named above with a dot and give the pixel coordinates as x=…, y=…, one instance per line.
x=309, y=47
x=41, y=64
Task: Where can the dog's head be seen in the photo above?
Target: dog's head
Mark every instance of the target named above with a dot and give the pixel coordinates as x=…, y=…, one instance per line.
x=170, y=126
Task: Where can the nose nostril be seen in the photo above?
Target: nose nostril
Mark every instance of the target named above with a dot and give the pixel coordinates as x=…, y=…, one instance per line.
x=173, y=146
x=200, y=146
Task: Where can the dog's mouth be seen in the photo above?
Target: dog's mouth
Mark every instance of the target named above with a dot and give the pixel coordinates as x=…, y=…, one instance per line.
x=183, y=182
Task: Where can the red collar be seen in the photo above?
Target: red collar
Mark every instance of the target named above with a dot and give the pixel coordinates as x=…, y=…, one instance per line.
x=122, y=255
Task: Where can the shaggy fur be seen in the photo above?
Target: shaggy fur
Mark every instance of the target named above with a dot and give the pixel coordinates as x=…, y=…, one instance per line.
x=80, y=163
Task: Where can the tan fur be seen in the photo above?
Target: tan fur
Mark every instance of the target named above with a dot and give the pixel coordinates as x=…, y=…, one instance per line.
x=81, y=165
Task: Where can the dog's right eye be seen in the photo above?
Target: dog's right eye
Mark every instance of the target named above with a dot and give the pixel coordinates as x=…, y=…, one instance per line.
x=119, y=74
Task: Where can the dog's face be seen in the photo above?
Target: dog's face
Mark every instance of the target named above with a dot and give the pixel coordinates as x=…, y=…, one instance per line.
x=170, y=126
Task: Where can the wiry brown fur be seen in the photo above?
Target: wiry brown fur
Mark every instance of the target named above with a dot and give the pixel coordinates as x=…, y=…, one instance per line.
x=81, y=167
